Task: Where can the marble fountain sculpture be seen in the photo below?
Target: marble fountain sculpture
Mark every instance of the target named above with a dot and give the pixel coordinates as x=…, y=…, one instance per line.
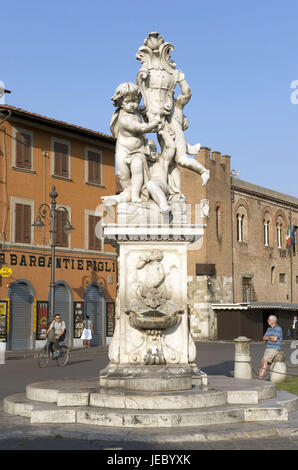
x=152, y=348
x=152, y=380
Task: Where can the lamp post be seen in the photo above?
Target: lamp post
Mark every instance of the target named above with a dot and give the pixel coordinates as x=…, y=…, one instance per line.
x=42, y=213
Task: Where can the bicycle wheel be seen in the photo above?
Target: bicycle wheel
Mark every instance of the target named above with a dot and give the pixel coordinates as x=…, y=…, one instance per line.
x=43, y=357
x=63, y=357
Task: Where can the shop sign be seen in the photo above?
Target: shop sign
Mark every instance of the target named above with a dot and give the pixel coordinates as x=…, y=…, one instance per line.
x=5, y=271
x=45, y=261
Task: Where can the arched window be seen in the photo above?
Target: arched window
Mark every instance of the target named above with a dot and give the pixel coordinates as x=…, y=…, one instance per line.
x=267, y=228
x=279, y=235
x=241, y=224
x=280, y=227
x=280, y=232
x=266, y=233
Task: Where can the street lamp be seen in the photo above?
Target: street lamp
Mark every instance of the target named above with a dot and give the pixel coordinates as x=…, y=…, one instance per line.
x=42, y=213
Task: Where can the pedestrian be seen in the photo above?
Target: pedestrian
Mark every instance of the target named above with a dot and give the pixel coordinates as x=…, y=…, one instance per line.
x=294, y=327
x=58, y=329
x=273, y=338
x=87, y=332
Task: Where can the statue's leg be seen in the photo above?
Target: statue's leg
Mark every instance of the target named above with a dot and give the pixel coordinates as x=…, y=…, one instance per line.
x=174, y=178
x=183, y=160
x=158, y=194
x=115, y=199
x=123, y=171
x=137, y=178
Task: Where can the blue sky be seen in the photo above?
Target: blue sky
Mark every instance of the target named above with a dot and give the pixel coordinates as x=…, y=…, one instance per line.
x=64, y=59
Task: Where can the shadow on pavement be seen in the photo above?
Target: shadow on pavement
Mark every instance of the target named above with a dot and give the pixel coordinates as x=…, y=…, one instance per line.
x=224, y=368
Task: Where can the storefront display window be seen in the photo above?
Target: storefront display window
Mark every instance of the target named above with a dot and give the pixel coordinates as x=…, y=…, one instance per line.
x=42, y=320
x=110, y=318
x=3, y=320
x=78, y=319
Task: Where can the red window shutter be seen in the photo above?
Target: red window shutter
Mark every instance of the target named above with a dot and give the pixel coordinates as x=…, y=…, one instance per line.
x=27, y=224
x=64, y=233
x=57, y=159
x=94, y=163
x=90, y=170
x=18, y=223
x=61, y=159
x=19, y=150
x=64, y=164
x=97, y=170
x=22, y=223
x=94, y=242
x=61, y=238
x=58, y=228
x=23, y=150
x=27, y=151
x=91, y=232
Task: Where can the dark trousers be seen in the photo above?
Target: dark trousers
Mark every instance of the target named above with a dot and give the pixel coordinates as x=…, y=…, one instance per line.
x=55, y=342
x=294, y=333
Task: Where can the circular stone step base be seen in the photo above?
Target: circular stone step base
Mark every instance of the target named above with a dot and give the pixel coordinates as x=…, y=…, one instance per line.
x=41, y=413
x=81, y=401
x=82, y=392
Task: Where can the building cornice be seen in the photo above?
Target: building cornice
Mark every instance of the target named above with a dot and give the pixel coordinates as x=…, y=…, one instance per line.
x=245, y=188
x=21, y=115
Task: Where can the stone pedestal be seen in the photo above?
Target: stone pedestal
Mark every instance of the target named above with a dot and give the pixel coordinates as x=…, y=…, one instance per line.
x=152, y=348
x=242, y=358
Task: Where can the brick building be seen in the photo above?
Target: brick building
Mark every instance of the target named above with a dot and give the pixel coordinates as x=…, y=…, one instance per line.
x=246, y=268
x=35, y=153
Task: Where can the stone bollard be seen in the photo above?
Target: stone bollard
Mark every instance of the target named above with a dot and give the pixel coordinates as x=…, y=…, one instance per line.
x=278, y=368
x=242, y=358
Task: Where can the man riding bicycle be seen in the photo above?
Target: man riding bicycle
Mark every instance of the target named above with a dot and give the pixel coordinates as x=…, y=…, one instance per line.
x=59, y=329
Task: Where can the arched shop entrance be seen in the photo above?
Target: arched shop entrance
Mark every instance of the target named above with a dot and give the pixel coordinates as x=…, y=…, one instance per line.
x=95, y=307
x=20, y=335
x=64, y=306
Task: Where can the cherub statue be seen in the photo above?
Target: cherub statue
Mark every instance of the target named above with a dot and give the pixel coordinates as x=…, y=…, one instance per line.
x=177, y=124
x=131, y=147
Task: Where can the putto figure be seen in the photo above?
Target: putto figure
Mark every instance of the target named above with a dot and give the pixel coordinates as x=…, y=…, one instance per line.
x=132, y=148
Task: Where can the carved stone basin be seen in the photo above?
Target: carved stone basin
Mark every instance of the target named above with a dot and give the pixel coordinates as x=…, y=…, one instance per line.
x=153, y=320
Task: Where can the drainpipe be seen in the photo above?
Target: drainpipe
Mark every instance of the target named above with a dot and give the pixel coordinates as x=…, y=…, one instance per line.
x=4, y=220
x=232, y=240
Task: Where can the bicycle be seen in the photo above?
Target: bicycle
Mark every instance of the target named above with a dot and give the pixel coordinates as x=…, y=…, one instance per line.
x=47, y=353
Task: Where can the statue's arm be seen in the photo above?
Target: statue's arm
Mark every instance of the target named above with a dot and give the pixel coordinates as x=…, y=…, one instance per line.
x=138, y=128
x=142, y=262
x=185, y=95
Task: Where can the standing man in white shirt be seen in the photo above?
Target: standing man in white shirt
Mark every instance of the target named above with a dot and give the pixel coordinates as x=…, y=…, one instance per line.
x=294, y=327
x=59, y=329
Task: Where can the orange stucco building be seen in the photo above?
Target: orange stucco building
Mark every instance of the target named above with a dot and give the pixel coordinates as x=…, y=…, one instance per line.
x=36, y=153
